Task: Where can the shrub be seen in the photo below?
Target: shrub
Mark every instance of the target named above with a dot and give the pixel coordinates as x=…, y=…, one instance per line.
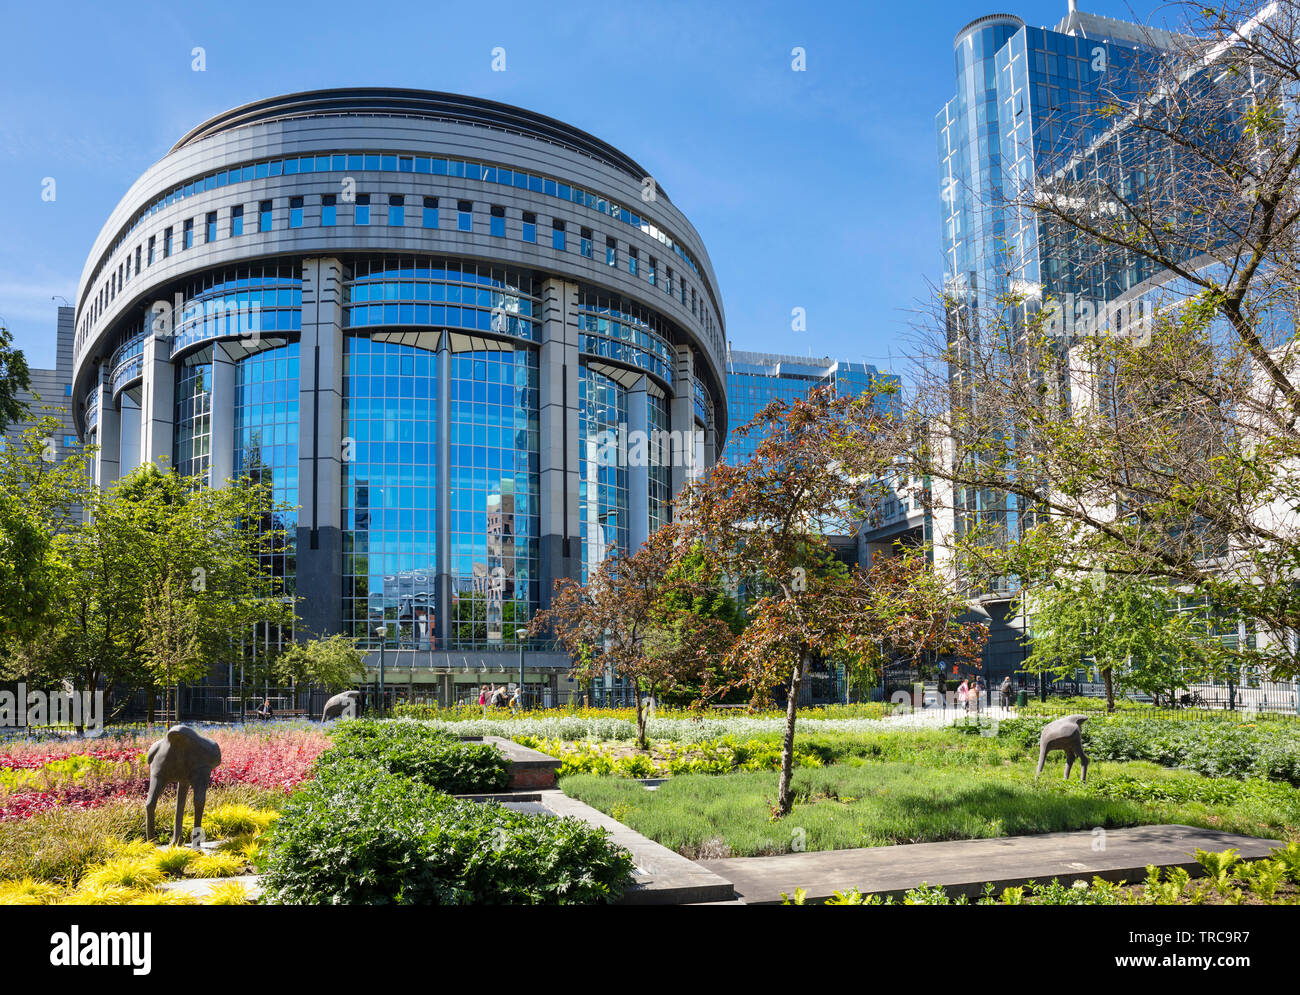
x=29, y=891
x=227, y=821
x=228, y=893
x=127, y=872
x=393, y=840
x=409, y=749
x=173, y=860
x=215, y=865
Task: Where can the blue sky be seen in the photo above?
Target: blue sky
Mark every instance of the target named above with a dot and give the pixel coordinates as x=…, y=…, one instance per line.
x=814, y=189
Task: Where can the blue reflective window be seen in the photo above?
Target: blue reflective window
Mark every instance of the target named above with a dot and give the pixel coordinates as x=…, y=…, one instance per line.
x=295, y=212
x=557, y=234
x=328, y=209
x=530, y=227
x=210, y=234
x=187, y=234
x=396, y=210
x=465, y=215
x=497, y=222
x=361, y=211
x=430, y=219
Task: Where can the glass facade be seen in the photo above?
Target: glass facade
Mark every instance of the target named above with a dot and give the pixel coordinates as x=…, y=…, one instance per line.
x=244, y=301
x=1025, y=97
x=661, y=476
x=756, y=379
x=493, y=460
x=390, y=491
x=193, y=427
x=618, y=329
x=430, y=501
x=266, y=444
x=443, y=293
x=603, y=476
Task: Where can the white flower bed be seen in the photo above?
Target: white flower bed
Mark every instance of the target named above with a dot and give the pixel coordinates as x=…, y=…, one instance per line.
x=683, y=730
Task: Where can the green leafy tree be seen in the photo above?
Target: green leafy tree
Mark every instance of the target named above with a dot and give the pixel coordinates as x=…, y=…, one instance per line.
x=37, y=497
x=14, y=378
x=1134, y=631
x=333, y=662
x=705, y=596
x=156, y=585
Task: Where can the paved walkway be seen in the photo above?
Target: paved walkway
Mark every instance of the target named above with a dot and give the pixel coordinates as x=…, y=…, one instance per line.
x=964, y=865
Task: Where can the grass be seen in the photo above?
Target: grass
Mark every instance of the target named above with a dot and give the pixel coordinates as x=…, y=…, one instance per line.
x=60, y=845
x=858, y=804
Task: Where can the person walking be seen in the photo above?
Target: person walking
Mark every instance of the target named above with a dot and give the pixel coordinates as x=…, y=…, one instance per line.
x=963, y=694
x=1005, y=691
x=980, y=688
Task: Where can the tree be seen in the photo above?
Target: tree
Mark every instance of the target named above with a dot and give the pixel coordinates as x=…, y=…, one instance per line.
x=14, y=379
x=703, y=596
x=1161, y=444
x=768, y=521
x=37, y=496
x=157, y=582
x=918, y=614
x=332, y=662
x=1137, y=634
x=633, y=619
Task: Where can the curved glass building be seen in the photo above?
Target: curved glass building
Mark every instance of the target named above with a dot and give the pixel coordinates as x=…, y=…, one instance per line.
x=437, y=326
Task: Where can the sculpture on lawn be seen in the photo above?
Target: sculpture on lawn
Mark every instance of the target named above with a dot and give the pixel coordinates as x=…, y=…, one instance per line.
x=346, y=705
x=186, y=759
x=1064, y=734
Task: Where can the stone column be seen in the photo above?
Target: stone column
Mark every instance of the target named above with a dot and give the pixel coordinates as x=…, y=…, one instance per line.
x=221, y=461
x=158, y=395
x=681, y=417
x=320, y=448
x=108, y=434
x=638, y=465
x=559, y=370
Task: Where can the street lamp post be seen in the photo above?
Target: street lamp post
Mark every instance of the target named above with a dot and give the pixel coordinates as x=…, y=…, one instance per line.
x=520, y=632
x=382, y=632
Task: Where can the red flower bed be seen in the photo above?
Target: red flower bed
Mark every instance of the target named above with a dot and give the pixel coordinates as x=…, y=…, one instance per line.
x=35, y=761
x=277, y=759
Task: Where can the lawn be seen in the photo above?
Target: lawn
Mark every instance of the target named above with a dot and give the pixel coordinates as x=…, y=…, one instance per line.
x=872, y=803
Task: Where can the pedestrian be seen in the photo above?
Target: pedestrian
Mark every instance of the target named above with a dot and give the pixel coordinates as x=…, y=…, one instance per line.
x=963, y=694
x=979, y=691
x=517, y=702
x=1006, y=691
x=264, y=711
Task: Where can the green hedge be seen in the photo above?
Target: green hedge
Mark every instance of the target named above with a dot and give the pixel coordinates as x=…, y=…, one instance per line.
x=377, y=827
x=408, y=749
x=361, y=836
x=1268, y=750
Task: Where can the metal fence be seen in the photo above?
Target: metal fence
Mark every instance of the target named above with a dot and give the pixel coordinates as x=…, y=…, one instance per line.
x=219, y=703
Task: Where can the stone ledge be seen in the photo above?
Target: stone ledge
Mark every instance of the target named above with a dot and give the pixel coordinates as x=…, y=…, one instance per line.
x=662, y=876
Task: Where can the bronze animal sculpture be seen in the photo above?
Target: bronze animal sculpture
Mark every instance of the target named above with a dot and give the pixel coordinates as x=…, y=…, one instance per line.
x=1064, y=734
x=344, y=705
x=186, y=759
